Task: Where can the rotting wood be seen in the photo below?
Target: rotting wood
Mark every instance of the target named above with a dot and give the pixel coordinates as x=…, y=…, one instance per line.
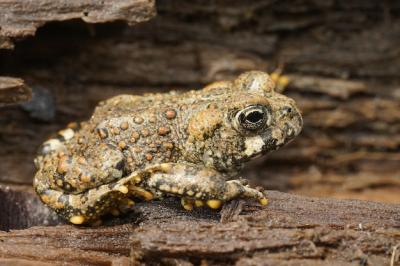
x=13, y=90
x=19, y=19
x=21, y=208
x=293, y=228
x=342, y=61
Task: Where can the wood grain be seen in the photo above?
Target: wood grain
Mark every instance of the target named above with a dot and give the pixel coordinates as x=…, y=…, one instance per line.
x=13, y=90
x=20, y=19
x=290, y=229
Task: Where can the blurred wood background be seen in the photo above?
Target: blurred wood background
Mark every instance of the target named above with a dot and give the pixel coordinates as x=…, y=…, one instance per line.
x=342, y=59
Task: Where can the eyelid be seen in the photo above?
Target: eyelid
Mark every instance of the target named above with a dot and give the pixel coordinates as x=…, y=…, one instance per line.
x=252, y=111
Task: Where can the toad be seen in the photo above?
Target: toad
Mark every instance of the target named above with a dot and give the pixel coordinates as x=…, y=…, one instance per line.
x=186, y=144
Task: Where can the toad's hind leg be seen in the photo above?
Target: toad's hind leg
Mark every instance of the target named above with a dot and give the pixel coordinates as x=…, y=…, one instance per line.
x=89, y=206
x=80, y=188
x=197, y=184
x=80, y=208
x=75, y=173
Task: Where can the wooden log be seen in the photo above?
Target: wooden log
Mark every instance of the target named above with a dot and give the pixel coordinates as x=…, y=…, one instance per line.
x=341, y=58
x=290, y=229
x=21, y=19
x=13, y=90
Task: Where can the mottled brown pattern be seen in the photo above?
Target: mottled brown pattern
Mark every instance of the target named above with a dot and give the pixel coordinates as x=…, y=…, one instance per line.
x=185, y=144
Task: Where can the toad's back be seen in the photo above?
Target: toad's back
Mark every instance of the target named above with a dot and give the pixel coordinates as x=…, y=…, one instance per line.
x=125, y=134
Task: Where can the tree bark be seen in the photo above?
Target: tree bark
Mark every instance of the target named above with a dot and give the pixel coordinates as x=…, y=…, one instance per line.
x=21, y=19
x=342, y=60
x=13, y=90
x=290, y=230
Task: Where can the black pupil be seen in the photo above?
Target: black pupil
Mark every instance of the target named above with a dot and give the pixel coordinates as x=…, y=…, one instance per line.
x=254, y=117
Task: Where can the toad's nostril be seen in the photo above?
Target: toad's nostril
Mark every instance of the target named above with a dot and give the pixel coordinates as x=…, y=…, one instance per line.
x=287, y=111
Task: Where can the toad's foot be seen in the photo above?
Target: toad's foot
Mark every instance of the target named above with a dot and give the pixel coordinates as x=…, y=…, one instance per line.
x=87, y=207
x=198, y=186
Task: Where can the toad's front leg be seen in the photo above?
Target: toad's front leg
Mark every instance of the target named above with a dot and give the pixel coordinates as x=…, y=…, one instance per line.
x=196, y=184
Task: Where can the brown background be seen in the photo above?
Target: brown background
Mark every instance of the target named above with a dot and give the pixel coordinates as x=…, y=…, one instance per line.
x=342, y=58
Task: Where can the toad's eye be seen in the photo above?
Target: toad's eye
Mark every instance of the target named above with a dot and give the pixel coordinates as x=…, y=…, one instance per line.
x=253, y=117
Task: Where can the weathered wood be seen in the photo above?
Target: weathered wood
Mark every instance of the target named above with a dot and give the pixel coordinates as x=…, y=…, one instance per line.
x=351, y=119
x=341, y=58
x=13, y=90
x=21, y=208
x=20, y=19
x=314, y=231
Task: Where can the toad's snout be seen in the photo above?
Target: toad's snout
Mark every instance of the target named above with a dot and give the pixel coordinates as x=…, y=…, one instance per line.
x=292, y=122
x=287, y=126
